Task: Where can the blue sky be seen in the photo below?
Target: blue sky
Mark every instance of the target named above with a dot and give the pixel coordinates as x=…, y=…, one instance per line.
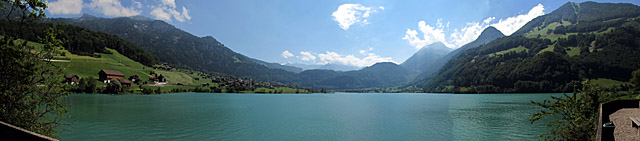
x=354, y=33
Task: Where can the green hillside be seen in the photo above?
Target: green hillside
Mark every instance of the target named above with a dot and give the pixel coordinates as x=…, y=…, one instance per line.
x=183, y=49
x=552, y=53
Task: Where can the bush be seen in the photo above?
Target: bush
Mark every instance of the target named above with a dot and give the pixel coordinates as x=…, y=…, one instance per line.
x=87, y=85
x=114, y=87
x=576, y=115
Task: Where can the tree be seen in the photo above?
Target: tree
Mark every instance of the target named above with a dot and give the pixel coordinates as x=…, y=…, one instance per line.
x=576, y=115
x=87, y=85
x=161, y=78
x=635, y=79
x=114, y=87
x=30, y=89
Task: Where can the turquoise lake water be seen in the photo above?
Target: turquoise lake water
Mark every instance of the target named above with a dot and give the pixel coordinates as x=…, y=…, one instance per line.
x=344, y=116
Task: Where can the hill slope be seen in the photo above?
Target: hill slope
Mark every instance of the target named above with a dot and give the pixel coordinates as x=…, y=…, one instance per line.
x=550, y=57
x=183, y=49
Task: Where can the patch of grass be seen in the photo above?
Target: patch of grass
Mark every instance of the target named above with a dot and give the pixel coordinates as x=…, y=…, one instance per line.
x=608, y=83
x=85, y=66
x=167, y=89
x=573, y=51
x=549, y=48
x=516, y=50
x=176, y=77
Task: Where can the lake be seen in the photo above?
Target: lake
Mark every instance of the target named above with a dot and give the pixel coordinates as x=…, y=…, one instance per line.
x=342, y=116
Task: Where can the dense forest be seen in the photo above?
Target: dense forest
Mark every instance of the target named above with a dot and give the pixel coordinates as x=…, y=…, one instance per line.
x=78, y=40
x=598, y=46
x=586, y=12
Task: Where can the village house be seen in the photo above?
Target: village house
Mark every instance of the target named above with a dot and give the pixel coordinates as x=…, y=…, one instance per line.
x=125, y=83
x=71, y=79
x=107, y=75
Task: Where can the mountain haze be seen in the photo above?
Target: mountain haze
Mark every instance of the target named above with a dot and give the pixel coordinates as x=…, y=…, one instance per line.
x=488, y=34
x=425, y=57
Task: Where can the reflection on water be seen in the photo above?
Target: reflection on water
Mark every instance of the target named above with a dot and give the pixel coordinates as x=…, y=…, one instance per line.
x=200, y=116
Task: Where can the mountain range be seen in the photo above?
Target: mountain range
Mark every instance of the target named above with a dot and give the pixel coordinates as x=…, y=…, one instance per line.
x=551, y=53
x=183, y=49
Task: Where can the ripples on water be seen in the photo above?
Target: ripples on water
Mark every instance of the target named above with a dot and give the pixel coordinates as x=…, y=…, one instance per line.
x=193, y=116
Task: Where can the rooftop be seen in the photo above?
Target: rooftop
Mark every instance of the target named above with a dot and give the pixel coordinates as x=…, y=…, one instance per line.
x=112, y=72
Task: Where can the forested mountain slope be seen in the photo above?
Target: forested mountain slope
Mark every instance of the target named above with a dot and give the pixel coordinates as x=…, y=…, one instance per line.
x=183, y=49
x=552, y=53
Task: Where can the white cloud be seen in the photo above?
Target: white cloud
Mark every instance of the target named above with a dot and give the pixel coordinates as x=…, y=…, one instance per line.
x=137, y=4
x=471, y=31
x=431, y=34
x=166, y=9
x=349, y=14
x=307, y=56
x=512, y=24
x=65, y=7
x=159, y=14
x=365, y=51
x=286, y=54
x=169, y=3
x=112, y=8
x=351, y=60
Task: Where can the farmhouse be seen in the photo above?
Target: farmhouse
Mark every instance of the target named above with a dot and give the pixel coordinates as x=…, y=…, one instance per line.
x=107, y=75
x=125, y=83
x=71, y=79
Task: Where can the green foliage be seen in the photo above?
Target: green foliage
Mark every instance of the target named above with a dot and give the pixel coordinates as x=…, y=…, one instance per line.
x=575, y=116
x=87, y=85
x=635, y=79
x=114, y=87
x=81, y=41
x=586, y=12
x=611, y=55
x=147, y=90
x=30, y=89
x=182, y=49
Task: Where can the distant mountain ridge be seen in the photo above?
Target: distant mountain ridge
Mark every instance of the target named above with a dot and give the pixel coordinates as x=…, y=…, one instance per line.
x=183, y=49
x=379, y=75
x=335, y=67
x=426, y=56
x=488, y=34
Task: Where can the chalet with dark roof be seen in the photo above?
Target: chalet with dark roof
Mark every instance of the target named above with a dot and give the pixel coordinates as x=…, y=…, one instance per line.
x=71, y=79
x=107, y=75
x=125, y=83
